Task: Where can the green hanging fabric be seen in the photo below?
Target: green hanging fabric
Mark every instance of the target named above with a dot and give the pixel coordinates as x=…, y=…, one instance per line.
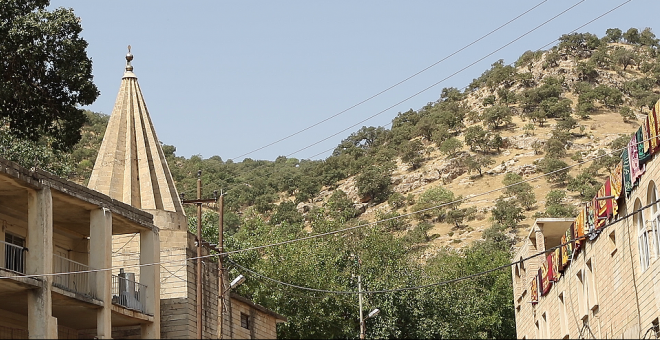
x=627, y=181
x=643, y=155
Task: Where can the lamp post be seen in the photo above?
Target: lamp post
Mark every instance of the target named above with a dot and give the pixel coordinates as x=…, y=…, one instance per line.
x=373, y=313
x=234, y=283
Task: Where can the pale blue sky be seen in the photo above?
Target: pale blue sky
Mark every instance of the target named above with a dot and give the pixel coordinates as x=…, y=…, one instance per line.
x=226, y=78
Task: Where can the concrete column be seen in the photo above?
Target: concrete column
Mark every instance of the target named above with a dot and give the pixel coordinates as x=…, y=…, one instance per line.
x=150, y=277
x=39, y=260
x=100, y=257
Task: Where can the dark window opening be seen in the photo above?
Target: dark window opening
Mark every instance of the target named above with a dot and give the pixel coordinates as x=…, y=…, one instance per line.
x=245, y=321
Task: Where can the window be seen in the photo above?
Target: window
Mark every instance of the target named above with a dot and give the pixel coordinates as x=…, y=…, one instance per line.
x=652, y=196
x=642, y=237
x=14, y=253
x=591, y=291
x=583, y=308
x=612, y=243
x=545, y=330
x=245, y=321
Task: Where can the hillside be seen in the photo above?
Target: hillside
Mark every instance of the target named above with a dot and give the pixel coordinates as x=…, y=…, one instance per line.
x=585, y=91
x=543, y=126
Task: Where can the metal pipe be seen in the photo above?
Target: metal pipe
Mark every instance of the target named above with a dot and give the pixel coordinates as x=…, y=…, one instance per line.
x=199, y=256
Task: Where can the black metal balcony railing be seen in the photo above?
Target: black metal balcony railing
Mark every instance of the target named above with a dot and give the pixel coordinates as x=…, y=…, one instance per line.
x=128, y=293
x=78, y=279
x=14, y=257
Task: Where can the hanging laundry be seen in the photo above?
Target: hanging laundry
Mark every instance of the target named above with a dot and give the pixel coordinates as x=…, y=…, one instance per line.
x=546, y=282
x=633, y=156
x=579, y=231
x=646, y=136
x=616, y=181
x=627, y=183
x=654, y=128
x=567, y=250
x=600, y=207
x=610, y=202
x=642, y=155
x=653, y=131
x=556, y=264
x=591, y=219
x=549, y=259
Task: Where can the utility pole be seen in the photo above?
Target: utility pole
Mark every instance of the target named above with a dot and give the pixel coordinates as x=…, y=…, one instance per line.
x=362, y=331
x=198, y=202
x=221, y=213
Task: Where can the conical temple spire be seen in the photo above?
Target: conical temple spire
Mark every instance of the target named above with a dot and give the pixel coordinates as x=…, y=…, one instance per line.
x=131, y=165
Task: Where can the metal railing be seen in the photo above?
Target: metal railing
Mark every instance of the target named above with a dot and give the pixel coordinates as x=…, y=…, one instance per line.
x=14, y=257
x=128, y=293
x=78, y=281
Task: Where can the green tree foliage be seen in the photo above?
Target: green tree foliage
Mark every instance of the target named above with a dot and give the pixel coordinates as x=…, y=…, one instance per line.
x=383, y=262
x=624, y=57
x=522, y=191
x=412, y=153
x=613, y=35
x=46, y=74
x=478, y=163
x=434, y=203
x=647, y=38
x=631, y=36
x=507, y=212
x=499, y=74
x=340, y=207
x=528, y=58
x=555, y=169
x=497, y=116
x=586, y=183
x=576, y=44
x=34, y=154
x=375, y=182
x=286, y=212
x=554, y=206
x=477, y=138
x=451, y=146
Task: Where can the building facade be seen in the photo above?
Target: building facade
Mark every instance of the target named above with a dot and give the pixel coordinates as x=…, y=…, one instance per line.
x=63, y=230
x=598, y=275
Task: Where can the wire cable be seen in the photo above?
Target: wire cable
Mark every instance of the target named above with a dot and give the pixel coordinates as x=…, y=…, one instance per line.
x=442, y=80
x=465, y=87
x=463, y=278
x=327, y=233
x=397, y=84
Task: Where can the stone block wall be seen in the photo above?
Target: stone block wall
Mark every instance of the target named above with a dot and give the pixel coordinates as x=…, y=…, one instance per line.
x=605, y=292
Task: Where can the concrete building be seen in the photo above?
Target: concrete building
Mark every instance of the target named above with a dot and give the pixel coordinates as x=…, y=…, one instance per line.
x=53, y=226
x=131, y=168
x=606, y=284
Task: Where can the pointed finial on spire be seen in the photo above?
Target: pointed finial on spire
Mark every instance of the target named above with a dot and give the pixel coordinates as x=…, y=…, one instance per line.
x=129, y=57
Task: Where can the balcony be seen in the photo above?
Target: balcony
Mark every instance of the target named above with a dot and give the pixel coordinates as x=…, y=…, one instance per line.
x=128, y=293
x=78, y=278
x=14, y=257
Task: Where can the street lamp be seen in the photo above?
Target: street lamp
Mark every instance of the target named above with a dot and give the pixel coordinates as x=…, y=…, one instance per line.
x=373, y=313
x=237, y=281
x=363, y=327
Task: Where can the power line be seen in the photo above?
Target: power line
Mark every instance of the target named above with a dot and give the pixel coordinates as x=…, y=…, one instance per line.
x=327, y=233
x=442, y=80
x=465, y=87
x=395, y=85
x=463, y=278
